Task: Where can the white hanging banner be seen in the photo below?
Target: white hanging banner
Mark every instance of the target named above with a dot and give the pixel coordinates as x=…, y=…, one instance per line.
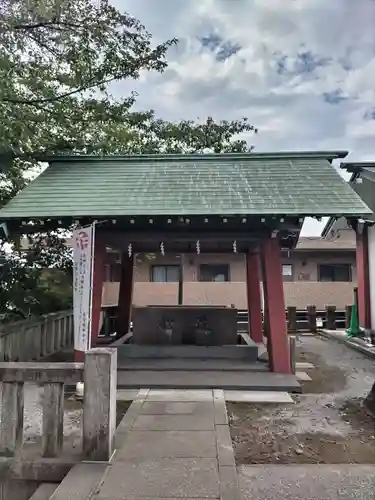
x=83, y=254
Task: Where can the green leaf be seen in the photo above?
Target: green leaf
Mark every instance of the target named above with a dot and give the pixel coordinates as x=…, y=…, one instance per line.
x=58, y=59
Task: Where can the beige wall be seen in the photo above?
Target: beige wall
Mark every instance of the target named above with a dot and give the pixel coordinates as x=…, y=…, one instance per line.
x=304, y=290
x=191, y=265
x=298, y=294
x=306, y=264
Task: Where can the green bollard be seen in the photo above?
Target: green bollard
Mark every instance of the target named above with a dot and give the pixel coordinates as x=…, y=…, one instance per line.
x=354, y=328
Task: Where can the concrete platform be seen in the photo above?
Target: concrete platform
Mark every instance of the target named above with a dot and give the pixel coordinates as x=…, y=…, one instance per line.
x=303, y=377
x=173, y=396
x=245, y=352
x=233, y=367
x=175, y=364
x=304, y=365
x=228, y=380
x=257, y=397
x=179, y=402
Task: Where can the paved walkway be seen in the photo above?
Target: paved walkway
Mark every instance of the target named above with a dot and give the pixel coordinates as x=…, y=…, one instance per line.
x=173, y=444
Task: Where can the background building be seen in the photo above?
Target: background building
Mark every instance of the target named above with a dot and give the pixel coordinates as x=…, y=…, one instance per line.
x=320, y=272
x=363, y=182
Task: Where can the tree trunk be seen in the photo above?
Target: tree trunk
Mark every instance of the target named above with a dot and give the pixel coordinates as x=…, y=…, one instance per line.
x=370, y=400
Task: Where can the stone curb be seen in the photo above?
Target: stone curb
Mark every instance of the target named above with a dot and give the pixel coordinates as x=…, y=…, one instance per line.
x=352, y=345
x=220, y=409
x=128, y=420
x=228, y=477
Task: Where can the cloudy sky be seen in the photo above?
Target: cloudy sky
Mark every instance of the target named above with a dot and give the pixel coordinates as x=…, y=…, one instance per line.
x=302, y=71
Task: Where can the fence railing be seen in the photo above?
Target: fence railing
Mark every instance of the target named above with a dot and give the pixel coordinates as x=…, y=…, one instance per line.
x=309, y=319
x=99, y=374
x=36, y=339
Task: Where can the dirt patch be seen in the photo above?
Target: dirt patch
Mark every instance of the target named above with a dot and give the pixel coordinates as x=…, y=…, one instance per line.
x=121, y=408
x=357, y=415
x=325, y=378
x=262, y=435
x=72, y=405
x=326, y=424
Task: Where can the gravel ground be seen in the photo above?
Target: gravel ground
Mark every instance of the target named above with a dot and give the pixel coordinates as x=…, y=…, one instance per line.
x=326, y=424
x=313, y=482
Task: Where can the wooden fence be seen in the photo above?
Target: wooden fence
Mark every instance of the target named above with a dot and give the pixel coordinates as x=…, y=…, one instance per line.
x=17, y=467
x=309, y=319
x=36, y=339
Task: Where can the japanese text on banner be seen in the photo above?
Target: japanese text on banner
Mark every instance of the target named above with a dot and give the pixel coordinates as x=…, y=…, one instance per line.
x=82, y=286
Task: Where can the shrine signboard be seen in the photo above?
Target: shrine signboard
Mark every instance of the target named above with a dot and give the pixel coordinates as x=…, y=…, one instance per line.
x=83, y=244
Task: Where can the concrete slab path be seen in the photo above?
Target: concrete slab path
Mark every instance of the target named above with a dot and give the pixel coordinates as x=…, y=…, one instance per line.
x=173, y=444
x=257, y=397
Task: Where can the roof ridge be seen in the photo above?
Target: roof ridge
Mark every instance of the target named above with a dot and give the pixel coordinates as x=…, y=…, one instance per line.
x=329, y=155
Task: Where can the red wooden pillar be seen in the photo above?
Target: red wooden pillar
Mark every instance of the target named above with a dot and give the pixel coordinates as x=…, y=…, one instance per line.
x=125, y=297
x=97, y=286
x=278, y=344
x=363, y=277
x=254, y=300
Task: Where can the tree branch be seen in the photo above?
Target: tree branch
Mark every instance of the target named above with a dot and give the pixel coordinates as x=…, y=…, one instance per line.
x=54, y=24
x=35, y=102
x=87, y=86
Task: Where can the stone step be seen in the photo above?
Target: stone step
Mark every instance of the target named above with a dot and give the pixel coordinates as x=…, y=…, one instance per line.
x=212, y=379
x=244, y=352
x=174, y=364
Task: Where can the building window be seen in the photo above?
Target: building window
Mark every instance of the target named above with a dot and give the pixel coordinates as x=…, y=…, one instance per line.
x=213, y=272
x=113, y=266
x=287, y=272
x=165, y=274
x=335, y=272
x=113, y=272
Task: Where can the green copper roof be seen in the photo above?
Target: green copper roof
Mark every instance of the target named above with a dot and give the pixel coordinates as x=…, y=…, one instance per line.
x=221, y=184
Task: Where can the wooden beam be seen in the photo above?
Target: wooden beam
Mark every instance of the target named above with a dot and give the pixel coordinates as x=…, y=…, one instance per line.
x=277, y=335
x=125, y=296
x=363, y=277
x=42, y=373
x=53, y=419
x=242, y=222
x=127, y=237
x=44, y=469
x=12, y=406
x=99, y=406
x=179, y=249
x=99, y=261
x=254, y=298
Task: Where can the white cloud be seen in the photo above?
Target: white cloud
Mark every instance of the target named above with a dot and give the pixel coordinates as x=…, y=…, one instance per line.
x=303, y=72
